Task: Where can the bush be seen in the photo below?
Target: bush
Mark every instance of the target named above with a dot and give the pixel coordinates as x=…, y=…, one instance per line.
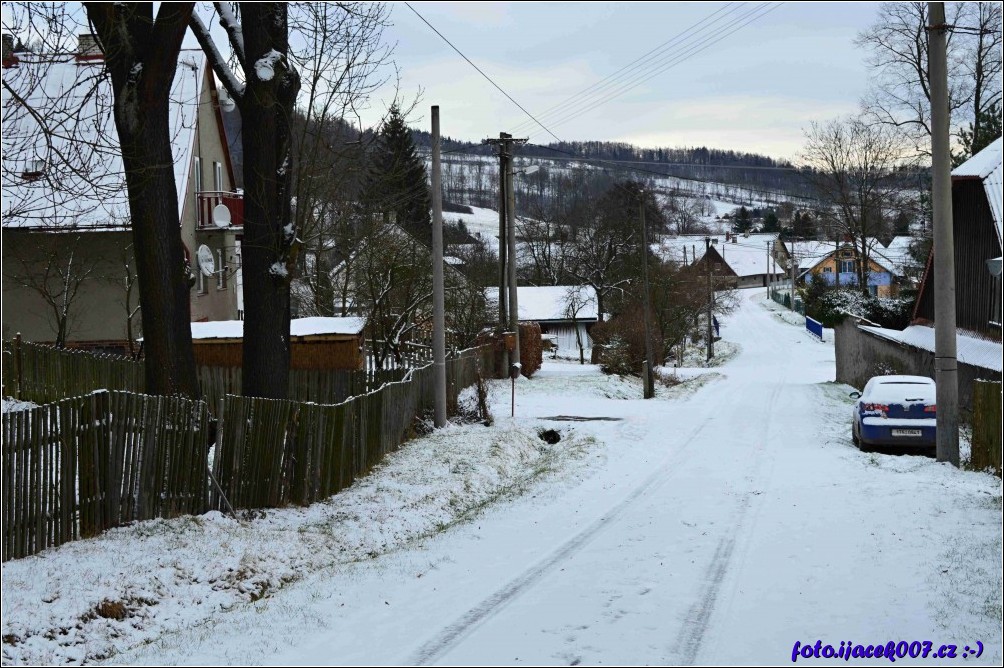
x=531, y=349
x=627, y=329
x=829, y=305
x=617, y=357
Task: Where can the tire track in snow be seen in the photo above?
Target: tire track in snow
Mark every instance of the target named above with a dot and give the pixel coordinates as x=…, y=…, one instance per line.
x=690, y=638
x=488, y=608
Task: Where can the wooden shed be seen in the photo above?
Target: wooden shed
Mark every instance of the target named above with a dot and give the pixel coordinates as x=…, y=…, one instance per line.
x=315, y=343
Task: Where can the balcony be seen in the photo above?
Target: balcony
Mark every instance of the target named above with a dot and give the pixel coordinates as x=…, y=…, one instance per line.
x=210, y=199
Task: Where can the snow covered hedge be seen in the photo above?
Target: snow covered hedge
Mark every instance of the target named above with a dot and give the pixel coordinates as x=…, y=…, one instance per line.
x=830, y=305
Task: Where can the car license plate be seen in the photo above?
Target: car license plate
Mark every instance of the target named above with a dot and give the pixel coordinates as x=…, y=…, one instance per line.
x=907, y=432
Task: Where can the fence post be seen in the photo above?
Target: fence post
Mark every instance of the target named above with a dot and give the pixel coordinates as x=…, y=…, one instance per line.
x=19, y=363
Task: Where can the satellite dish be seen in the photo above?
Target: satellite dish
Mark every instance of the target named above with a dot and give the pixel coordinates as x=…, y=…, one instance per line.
x=221, y=215
x=207, y=264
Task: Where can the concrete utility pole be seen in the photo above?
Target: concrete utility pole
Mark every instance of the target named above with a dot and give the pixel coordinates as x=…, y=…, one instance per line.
x=794, y=268
x=503, y=222
x=648, y=378
x=438, y=294
x=768, y=269
x=945, y=362
x=711, y=298
x=514, y=361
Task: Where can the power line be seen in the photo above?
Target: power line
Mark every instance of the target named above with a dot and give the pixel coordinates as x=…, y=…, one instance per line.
x=408, y=5
x=633, y=64
x=663, y=62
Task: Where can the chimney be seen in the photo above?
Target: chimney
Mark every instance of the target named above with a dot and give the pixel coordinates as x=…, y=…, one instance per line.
x=88, y=49
x=9, y=59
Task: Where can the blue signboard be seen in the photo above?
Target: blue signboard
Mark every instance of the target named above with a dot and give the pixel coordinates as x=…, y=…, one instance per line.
x=814, y=327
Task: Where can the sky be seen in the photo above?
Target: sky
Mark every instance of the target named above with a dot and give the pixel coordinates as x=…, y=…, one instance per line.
x=752, y=87
x=741, y=76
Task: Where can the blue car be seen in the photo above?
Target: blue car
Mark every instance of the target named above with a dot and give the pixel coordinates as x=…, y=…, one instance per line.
x=895, y=411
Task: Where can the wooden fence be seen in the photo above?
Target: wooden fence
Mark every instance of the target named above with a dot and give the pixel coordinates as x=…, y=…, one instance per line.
x=272, y=453
x=74, y=468
x=44, y=374
x=986, y=440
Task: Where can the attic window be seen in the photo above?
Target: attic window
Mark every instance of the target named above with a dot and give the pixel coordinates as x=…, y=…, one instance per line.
x=34, y=171
x=846, y=254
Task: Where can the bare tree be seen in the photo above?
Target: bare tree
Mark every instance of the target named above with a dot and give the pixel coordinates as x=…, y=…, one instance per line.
x=901, y=93
x=854, y=170
x=55, y=271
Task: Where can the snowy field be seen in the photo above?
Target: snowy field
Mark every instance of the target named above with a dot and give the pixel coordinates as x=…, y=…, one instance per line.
x=719, y=523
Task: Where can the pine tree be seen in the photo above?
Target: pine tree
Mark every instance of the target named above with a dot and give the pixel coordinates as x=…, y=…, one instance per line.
x=397, y=182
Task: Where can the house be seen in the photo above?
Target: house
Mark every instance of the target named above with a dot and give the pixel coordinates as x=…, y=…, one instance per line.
x=863, y=349
x=836, y=263
x=315, y=343
x=743, y=260
x=68, y=263
x=565, y=312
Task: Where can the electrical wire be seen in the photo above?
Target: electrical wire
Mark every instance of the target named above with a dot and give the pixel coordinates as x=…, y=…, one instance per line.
x=667, y=62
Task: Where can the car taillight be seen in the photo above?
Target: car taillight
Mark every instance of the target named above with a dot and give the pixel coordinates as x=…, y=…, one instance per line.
x=930, y=409
x=875, y=407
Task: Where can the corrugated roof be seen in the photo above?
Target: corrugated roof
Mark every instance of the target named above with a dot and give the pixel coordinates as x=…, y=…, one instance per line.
x=970, y=349
x=83, y=182
x=987, y=165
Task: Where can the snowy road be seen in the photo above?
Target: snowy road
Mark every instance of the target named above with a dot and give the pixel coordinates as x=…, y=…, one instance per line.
x=721, y=526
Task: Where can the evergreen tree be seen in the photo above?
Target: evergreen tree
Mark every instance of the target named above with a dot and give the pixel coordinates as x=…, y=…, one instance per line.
x=398, y=182
x=976, y=139
x=771, y=223
x=743, y=221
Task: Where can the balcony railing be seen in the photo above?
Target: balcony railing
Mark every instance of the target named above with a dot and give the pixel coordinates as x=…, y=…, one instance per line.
x=210, y=199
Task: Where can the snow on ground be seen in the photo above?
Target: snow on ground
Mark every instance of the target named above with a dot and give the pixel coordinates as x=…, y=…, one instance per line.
x=720, y=524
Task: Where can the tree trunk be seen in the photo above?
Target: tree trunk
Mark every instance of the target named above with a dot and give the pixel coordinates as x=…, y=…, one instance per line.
x=142, y=55
x=268, y=230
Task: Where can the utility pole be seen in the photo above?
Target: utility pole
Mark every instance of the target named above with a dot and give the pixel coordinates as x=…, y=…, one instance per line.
x=648, y=378
x=794, y=267
x=503, y=222
x=767, y=267
x=945, y=362
x=711, y=298
x=507, y=253
x=438, y=299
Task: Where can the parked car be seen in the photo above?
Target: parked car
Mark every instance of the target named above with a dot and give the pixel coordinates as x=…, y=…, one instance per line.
x=896, y=411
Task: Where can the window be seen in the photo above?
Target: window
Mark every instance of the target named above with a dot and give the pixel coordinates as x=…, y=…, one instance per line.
x=217, y=177
x=827, y=270
x=221, y=272
x=198, y=187
x=847, y=266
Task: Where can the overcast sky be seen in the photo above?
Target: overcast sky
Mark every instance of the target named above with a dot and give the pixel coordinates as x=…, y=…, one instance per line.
x=754, y=90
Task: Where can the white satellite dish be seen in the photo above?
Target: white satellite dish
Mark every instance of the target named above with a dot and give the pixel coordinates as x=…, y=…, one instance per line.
x=226, y=102
x=207, y=264
x=221, y=215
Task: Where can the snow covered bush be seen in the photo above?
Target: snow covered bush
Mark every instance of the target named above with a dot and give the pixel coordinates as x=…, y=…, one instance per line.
x=830, y=305
x=617, y=357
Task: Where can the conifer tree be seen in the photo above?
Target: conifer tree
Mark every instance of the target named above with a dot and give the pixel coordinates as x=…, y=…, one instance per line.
x=397, y=181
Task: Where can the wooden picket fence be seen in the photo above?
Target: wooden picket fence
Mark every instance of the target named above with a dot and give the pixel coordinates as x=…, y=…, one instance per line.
x=274, y=453
x=986, y=439
x=44, y=374
x=77, y=467
x=74, y=468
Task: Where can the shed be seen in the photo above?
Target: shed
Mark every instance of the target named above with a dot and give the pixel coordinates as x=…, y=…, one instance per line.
x=315, y=343
x=567, y=312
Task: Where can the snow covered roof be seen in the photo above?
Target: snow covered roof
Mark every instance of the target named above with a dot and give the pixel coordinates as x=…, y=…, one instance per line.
x=986, y=165
x=971, y=350
x=316, y=326
x=76, y=158
x=551, y=302
x=821, y=250
x=747, y=256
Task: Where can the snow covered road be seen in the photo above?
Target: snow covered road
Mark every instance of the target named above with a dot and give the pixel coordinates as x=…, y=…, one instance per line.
x=716, y=526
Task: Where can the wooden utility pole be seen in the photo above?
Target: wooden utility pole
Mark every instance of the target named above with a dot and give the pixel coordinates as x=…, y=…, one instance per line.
x=711, y=298
x=648, y=378
x=945, y=362
x=794, y=268
x=438, y=297
x=767, y=269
